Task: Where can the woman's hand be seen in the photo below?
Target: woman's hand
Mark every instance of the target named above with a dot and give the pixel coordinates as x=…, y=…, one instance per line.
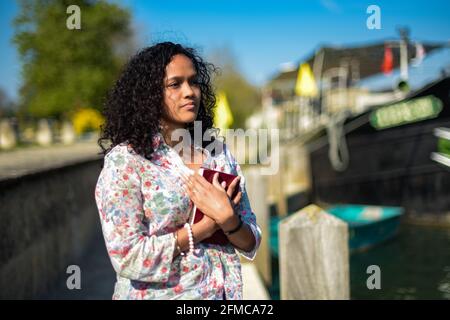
x=207, y=227
x=212, y=199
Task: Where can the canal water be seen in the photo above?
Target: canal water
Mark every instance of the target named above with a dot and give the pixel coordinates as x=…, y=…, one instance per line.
x=413, y=265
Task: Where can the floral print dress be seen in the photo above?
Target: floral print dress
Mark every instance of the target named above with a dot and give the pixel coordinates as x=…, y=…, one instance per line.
x=141, y=204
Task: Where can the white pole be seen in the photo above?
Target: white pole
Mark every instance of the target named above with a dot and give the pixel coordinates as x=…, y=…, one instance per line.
x=404, y=53
x=404, y=60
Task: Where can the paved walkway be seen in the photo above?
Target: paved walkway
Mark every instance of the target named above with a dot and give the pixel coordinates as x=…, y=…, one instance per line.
x=254, y=288
x=32, y=159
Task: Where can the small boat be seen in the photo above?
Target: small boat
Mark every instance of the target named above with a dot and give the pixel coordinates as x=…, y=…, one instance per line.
x=368, y=225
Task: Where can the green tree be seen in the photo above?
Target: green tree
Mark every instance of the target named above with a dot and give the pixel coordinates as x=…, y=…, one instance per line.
x=3, y=100
x=243, y=97
x=6, y=105
x=66, y=69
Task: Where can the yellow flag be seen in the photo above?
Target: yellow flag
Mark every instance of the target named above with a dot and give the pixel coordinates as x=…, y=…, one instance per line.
x=306, y=84
x=223, y=118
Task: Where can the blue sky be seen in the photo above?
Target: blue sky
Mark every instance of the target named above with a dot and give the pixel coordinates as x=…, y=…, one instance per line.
x=261, y=34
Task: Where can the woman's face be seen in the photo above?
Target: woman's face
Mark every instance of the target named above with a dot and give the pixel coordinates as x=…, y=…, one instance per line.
x=181, y=91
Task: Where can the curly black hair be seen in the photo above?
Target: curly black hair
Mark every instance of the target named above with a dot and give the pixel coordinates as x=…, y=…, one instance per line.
x=134, y=105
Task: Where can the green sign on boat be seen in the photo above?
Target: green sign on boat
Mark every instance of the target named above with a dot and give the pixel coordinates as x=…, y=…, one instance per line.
x=405, y=112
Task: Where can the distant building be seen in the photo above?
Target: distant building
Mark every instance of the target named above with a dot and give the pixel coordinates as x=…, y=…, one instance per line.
x=342, y=74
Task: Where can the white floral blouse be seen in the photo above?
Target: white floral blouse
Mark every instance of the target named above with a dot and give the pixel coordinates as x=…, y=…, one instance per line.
x=141, y=205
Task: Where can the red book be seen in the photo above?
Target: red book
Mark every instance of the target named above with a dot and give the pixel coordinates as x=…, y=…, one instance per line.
x=218, y=237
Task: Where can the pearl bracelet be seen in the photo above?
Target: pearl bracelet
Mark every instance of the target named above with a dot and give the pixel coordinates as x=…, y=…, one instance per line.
x=191, y=238
x=177, y=245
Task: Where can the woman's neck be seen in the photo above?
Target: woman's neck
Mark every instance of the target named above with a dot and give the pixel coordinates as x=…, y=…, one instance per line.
x=192, y=159
x=167, y=129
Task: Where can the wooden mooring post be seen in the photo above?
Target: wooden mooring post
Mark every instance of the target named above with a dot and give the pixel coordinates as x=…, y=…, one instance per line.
x=314, y=256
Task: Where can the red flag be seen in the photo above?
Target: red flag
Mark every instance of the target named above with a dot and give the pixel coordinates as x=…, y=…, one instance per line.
x=388, y=61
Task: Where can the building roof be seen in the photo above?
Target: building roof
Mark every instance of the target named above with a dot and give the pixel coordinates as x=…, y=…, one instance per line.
x=370, y=58
x=434, y=66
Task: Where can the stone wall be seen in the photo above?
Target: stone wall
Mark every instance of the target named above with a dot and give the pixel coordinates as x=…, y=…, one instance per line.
x=48, y=219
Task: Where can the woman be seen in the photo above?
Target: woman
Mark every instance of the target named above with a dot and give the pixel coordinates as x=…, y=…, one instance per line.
x=146, y=190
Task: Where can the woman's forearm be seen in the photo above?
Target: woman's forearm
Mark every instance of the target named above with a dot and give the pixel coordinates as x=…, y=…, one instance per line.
x=199, y=233
x=243, y=238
